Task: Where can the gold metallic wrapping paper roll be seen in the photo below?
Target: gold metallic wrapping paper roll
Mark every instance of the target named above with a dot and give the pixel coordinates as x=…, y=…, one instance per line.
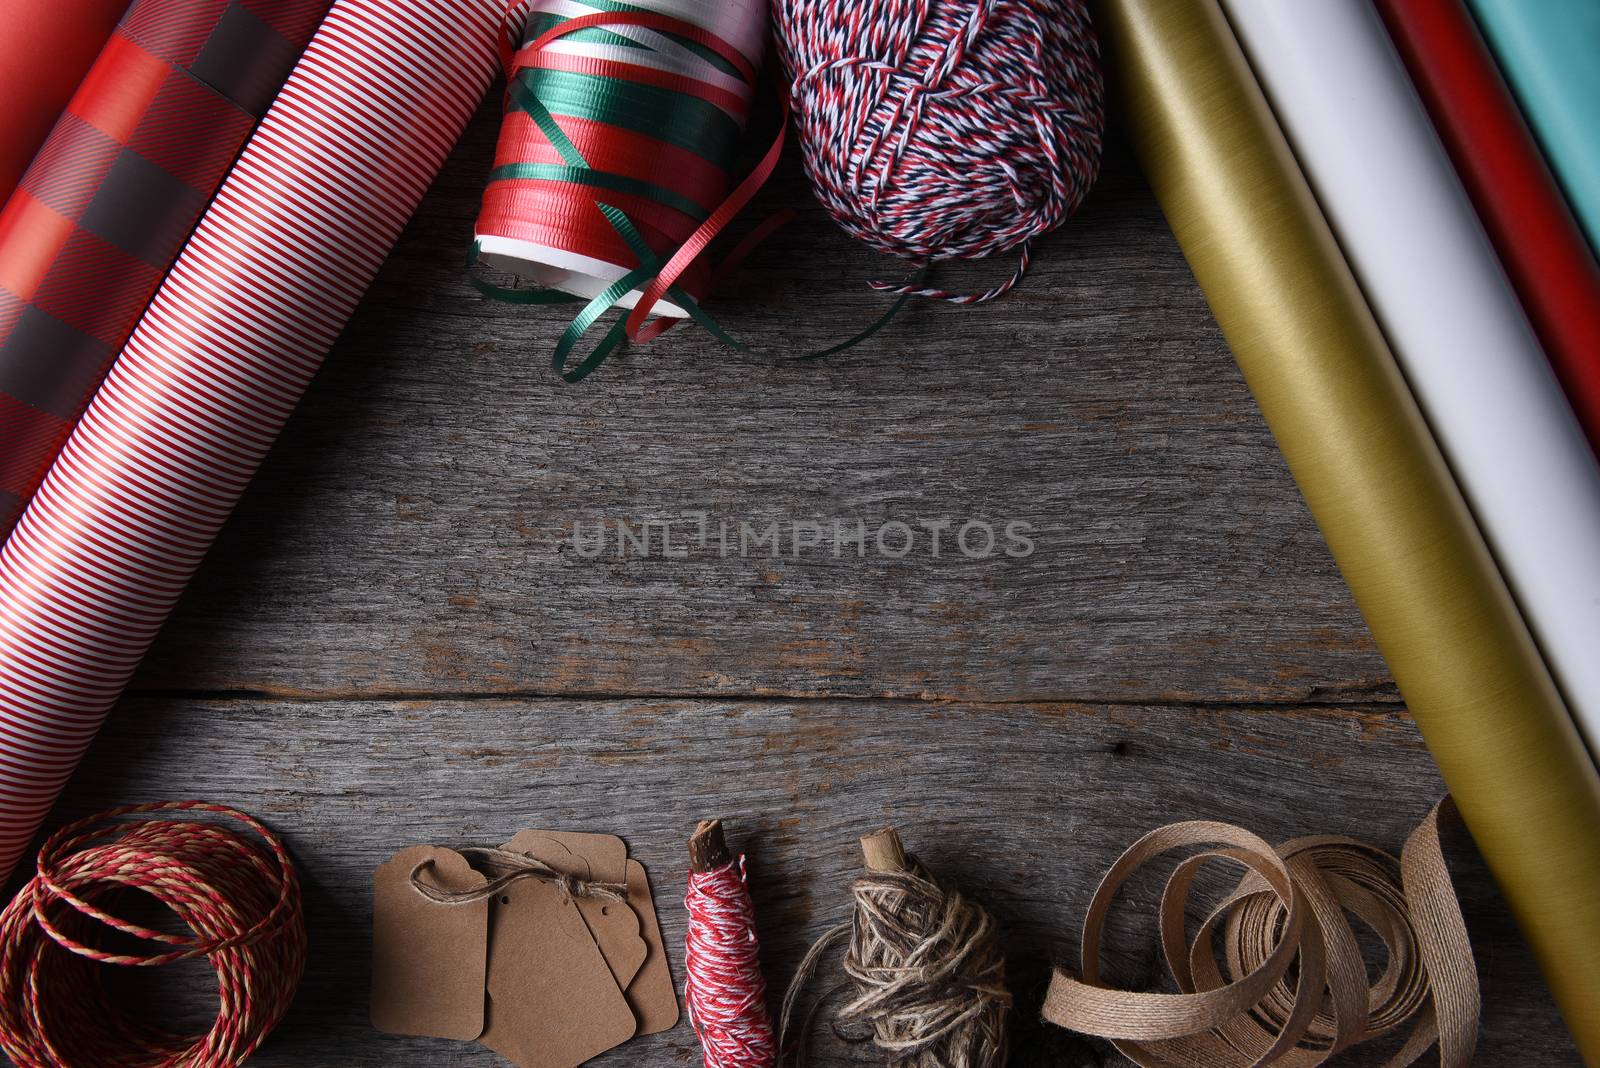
x=1376, y=482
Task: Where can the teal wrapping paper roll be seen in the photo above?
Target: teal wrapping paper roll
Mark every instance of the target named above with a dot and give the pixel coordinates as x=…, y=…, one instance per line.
x=1549, y=50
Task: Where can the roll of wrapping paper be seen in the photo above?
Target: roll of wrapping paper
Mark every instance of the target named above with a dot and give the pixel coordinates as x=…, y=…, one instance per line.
x=1540, y=244
x=292, y=240
x=112, y=196
x=1385, y=184
x=1550, y=53
x=45, y=50
x=1373, y=476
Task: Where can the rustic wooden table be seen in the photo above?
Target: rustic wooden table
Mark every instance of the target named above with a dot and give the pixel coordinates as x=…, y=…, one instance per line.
x=399, y=640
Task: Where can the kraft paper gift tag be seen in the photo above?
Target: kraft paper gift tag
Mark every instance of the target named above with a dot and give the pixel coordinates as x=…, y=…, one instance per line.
x=553, y=1002
x=604, y=855
x=651, y=994
x=428, y=960
x=631, y=943
x=593, y=858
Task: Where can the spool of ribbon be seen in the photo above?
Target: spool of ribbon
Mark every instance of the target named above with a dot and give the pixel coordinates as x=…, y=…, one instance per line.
x=615, y=158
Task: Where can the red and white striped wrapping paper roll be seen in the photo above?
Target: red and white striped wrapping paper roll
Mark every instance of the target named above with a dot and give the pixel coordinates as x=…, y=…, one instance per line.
x=205, y=383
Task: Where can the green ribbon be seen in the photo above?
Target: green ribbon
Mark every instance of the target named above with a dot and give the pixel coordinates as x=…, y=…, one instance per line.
x=617, y=183
x=687, y=122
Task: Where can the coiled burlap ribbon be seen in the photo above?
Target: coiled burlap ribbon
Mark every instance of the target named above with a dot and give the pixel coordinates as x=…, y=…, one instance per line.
x=1291, y=907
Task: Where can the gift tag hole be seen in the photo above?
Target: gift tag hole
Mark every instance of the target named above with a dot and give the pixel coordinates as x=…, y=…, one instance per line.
x=505, y=900
x=605, y=910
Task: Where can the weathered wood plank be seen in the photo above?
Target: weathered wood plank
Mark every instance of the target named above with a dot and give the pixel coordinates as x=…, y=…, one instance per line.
x=1025, y=805
x=412, y=533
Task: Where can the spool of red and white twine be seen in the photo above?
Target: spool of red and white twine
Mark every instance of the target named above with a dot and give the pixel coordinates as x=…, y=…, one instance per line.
x=723, y=987
x=237, y=893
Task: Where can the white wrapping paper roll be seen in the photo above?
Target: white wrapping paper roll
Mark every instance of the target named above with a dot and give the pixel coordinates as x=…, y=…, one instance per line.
x=1461, y=338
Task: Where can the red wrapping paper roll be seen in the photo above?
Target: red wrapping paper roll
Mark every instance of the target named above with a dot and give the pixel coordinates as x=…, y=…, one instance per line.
x=1551, y=266
x=45, y=48
x=112, y=195
x=213, y=370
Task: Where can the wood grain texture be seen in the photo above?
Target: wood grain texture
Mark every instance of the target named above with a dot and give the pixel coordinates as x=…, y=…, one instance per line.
x=411, y=534
x=394, y=641
x=1024, y=805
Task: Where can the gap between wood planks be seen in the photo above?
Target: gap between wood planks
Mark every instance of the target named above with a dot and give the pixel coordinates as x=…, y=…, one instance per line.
x=1311, y=700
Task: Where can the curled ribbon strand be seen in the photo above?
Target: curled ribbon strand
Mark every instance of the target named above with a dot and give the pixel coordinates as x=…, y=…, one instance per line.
x=1291, y=906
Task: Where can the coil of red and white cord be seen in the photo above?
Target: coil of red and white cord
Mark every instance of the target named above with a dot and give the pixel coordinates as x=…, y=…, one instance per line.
x=724, y=989
x=237, y=893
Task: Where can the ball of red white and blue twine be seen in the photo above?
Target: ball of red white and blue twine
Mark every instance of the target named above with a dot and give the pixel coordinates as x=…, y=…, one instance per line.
x=941, y=129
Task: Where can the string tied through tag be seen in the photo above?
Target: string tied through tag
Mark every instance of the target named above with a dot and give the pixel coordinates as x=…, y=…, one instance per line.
x=504, y=867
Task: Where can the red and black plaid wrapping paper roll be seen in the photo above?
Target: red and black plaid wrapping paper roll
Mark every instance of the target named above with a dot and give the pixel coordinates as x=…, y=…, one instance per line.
x=46, y=46
x=113, y=194
x=266, y=283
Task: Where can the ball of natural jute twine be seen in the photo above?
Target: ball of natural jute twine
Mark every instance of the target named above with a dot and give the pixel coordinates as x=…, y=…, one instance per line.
x=924, y=968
